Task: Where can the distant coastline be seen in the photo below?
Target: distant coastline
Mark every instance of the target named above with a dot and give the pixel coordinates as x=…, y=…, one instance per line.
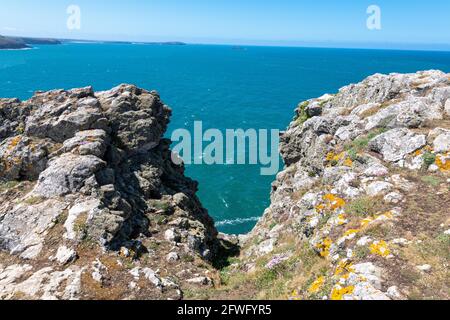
x=17, y=43
x=166, y=43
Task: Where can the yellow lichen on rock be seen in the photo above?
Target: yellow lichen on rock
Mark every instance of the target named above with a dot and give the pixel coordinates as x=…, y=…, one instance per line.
x=350, y=232
x=14, y=142
x=339, y=292
x=341, y=219
x=380, y=248
x=443, y=162
x=366, y=221
x=295, y=296
x=316, y=285
x=324, y=247
x=348, y=162
x=333, y=202
x=333, y=158
x=344, y=266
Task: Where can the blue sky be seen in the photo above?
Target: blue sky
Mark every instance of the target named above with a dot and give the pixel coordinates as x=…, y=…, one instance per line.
x=413, y=23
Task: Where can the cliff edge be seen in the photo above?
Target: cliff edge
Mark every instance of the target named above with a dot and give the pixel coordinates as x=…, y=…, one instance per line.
x=361, y=209
x=91, y=205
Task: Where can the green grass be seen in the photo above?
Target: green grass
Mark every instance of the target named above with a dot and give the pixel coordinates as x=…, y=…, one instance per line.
x=361, y=252
x=266, y=278
x=6, y=185
x=161, y=205
x=323, y=220
x=361, y=143
x=158, y=219
x=360, y=207
x=433, y=181
x=33, y=200
x=302, y=115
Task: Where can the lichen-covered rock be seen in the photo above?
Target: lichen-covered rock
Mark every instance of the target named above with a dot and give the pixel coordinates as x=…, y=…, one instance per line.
x=364, y=168
x=92, y=207
x=395, y=144
x=88, y=175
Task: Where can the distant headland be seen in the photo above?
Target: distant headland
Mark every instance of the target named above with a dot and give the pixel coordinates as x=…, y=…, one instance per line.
x=11, y=43
x=24, y=43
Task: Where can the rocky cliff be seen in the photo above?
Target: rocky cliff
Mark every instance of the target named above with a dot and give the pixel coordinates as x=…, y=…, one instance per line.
x=91, y=205
x=361, y=209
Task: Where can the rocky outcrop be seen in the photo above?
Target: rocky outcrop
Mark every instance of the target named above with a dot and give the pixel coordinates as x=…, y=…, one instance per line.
x=91, y=206
x=361, y=205
x=90, y=201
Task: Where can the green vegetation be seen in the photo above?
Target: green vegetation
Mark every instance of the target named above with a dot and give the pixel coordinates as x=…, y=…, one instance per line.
x=161, y=205
x=361, y=252
x=6, y=185
x=428, y=159
x=158, y=219
x=360, y=144
x=433, y=181
x=352, y=154
x=33, y=200
x=302, y=114
x=324, y=219
x=80, y=226
x=187, y=258
x=360, y=207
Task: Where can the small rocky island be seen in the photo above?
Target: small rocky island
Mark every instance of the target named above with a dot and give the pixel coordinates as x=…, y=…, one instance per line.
x=91, y=206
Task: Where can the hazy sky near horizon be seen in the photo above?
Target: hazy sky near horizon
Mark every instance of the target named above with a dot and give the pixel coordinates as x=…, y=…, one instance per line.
x=279, y=22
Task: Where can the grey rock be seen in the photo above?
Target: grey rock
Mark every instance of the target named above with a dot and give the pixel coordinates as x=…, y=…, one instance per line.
x=67, y=174
x=65, y=255
x=22, y=158
x=379, y=188
x=442, y=142
x=172, y=257
x=447, y=108
x=395, y=144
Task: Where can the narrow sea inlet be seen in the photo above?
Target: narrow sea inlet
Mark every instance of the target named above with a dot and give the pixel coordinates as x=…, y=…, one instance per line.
x=225, y=88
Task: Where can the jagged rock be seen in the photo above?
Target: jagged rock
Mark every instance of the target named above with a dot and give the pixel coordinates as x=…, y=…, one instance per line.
x=22, y=158
x=376, y=169
x=395, y=144
x=447, y=108
x=394, y=293
x=393, y=197
x=442, y=142
x=93, y=164
x=355, y=179
x=424, y=268
x=172, y=257
x=64, y=255
x=23, y=227
x=45, y=284
x=203, y=281
x=378, y=188
x=99, y=271
x=67, y=174
x=172, y=235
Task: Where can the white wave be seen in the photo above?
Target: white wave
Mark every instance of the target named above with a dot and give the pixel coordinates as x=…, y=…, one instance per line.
x=20, y=49
x=237, y=221
x=225, y=203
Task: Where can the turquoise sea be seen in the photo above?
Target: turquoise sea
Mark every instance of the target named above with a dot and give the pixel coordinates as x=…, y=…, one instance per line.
x=225, y=87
